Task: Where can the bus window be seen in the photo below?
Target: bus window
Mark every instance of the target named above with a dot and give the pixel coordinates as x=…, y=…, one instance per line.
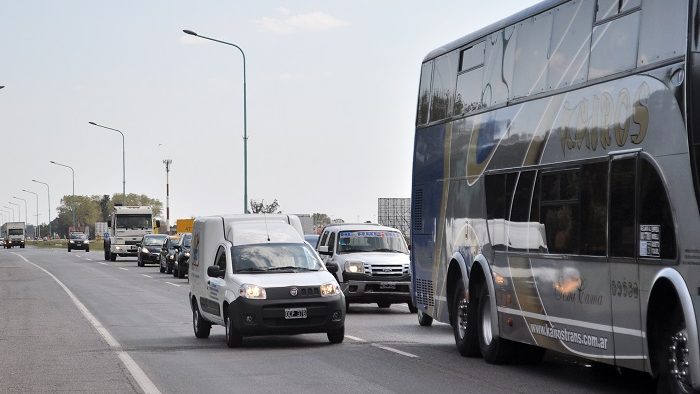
x=426, y=73
x=619, y=36
x=571, y=43
x=622, y=232
x=606, y=9
x=657, y=233
x=531, y=55
x=519, y=235
x=662, y=44
x=498, y=71
x=499, y=191
x=443, y=86
x=594, y=201
x=559, y=211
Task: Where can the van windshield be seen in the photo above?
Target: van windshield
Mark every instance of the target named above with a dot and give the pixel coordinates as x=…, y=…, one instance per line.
x=371, y=241
x=281, y=257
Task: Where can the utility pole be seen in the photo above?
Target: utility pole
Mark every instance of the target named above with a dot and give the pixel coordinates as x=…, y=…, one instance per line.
x=167, y=163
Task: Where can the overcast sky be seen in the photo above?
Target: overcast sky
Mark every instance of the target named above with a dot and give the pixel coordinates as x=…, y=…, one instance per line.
x=332, y=89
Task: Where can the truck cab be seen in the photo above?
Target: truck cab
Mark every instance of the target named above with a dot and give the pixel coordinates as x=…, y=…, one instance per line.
x=127, y=225
x=371, y=263
x=14, y=234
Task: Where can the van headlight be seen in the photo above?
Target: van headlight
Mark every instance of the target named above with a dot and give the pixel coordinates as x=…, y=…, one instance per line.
x=330, y=289
x=253, y=292
x=354, y=266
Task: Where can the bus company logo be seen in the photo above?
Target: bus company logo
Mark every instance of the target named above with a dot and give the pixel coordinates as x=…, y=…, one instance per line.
x=602, y=121
x=573, y=290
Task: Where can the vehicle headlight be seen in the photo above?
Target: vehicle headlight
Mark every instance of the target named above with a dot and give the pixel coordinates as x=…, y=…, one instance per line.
x=118, y=248
x=171, y=257
x=354, y=266
x=330, y=289
x=87, y=241
x=71, y=241
x=254, y=292
x=187, y=254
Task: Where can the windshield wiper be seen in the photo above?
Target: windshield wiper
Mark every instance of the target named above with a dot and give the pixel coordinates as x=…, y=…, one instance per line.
x=288, y=267
x=251, y=269
x=388, y=250
x=352, y=251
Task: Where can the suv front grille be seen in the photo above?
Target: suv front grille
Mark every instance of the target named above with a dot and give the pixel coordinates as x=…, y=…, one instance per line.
x=386, y=269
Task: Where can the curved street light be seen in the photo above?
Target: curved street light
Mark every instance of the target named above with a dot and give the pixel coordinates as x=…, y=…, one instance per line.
x=19, y=210
x=25, y=207
x=123, y=157
x=37, y=232
x=245, y=118
x=9, y=213
x=48, y=199
x=72, y=171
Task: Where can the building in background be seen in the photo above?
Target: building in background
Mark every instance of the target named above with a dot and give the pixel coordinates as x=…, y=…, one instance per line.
x=307, y=223
x=396, y=213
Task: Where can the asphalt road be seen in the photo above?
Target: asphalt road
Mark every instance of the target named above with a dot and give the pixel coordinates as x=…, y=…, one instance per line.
x=47, y=344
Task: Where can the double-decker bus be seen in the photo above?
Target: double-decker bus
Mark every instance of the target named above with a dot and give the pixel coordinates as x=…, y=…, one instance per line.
x=556, y=187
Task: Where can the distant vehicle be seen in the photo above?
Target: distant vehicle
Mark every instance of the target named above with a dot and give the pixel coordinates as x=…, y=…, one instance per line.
x=14, y=235
x=2, y=241
x=370, y=261
x=167, y=255
x=149, y=248
x=78, y=241
x=312, y=239
x=127, y=225
x=183, y=255
x=255, y=275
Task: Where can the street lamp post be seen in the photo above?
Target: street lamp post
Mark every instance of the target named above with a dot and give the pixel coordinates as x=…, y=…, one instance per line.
x=245, y=119
x=19, y=210
x=123, y=157
x=38, y=233
x=48, y=199
x=25, y=207
x=10, y=212
x=73, y=172
x=167, y=163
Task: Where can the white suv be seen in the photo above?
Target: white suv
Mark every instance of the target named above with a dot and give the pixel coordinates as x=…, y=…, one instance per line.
x=371, y=263
x=255, y=275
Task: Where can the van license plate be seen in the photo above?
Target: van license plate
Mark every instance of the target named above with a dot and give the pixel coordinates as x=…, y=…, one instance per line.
x=295, y=313
x=385, y=285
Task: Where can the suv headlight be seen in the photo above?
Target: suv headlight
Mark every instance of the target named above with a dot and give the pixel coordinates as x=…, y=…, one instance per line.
x=71, y=241
x=187, y=254
x=253, y=292
x=329, y=289
x=87, y=241
x=354, y=266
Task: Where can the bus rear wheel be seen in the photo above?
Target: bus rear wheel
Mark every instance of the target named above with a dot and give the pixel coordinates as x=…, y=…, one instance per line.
x=673, y=363
x=464, y=322
x=494, y=349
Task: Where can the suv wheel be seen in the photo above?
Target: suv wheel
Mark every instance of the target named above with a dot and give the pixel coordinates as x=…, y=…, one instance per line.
x=337, y=335
x=424, y=320
x=412, y=308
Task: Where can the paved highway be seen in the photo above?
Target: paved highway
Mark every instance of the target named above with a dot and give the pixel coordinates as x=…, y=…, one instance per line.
x=116, y=327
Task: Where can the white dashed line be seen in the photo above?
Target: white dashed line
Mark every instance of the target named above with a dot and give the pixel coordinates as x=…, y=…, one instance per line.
x=122, y=268
x=356, y=339
x=88, y=259
x=173, y=284
x=140, y=377
x=102, y=263
x=397, y=351
x=147, y=276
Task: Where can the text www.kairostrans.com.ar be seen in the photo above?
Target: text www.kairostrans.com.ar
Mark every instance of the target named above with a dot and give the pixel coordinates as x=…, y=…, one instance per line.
x=565, y=335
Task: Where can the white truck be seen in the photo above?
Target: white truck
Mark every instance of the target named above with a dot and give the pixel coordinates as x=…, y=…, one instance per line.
x=126, y=226
x=14, y=234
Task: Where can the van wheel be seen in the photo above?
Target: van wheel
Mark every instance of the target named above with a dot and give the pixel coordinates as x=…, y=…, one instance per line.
x=112, y=256
x=464, y=321
x=424, y=320
x=68, y=250
x=673, y=363
x=494, y=350
x=200, y=325
x=180, y=273
x=87, y=249
x=106, y=252
x=337, y=335
x=233, y=338
x=412, y=308
x=383, y=304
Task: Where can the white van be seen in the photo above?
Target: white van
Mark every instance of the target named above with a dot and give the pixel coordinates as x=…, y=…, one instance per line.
x=255, y=275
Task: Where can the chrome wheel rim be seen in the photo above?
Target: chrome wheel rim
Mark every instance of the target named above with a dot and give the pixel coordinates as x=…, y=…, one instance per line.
x=228, y=327
x=679, y=361
x=462, y=317
x=486, y=321
x=195, y=320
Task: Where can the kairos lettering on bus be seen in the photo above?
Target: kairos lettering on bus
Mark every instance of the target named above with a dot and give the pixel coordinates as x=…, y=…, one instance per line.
x=595, y=121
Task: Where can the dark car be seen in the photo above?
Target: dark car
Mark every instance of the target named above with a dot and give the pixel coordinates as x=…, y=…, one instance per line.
x=167, y=255
x=149, y=249
x=78, y=241
x=183, y=256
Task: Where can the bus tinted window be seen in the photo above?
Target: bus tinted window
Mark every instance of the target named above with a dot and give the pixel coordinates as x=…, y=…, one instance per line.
x=424, y=93
x=498, y=71
x=531, y=55
x=559, y=211
x=622, y=232
x=469, y=91
x=657, y=235
x=520, y=211
x=443, y=86
x=619, y=36
x=570, y=44
x=594, y=207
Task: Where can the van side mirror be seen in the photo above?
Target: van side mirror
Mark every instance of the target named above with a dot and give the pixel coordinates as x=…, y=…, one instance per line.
x=332, y=268
x=158, y=223
x=324, y=250
x=214, y=271
x=109, y=223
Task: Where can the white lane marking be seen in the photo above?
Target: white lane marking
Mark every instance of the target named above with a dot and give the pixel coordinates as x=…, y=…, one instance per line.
x=122, y=268
x=397, y=351
x=355, y=338
x=173, y=284
x=88, y=259
x=102, y=263
x=147, y=276
x=77, y=255
x=136, y=372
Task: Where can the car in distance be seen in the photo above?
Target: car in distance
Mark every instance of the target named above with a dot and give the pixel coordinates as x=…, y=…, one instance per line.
x=255, y=275
x=371, y=263
x=78, y=241
x=167, y=255
x=312, y=239
x=149, y=248
x=183, y=255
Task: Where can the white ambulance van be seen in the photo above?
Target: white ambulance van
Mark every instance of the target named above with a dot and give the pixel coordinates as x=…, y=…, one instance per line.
x=255, y=275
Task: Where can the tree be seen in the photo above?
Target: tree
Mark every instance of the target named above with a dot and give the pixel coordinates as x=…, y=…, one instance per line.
x=137, y=199
x=260, y=207
x=320, y=219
